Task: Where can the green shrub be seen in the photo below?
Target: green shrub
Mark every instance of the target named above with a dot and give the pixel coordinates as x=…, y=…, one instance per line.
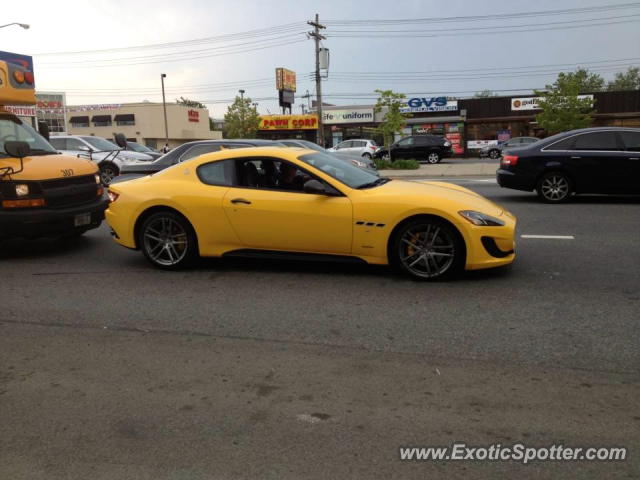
x=401, y=164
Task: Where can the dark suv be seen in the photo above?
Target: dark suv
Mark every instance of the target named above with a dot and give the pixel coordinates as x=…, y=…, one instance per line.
x=424, y=148
x=589, y=160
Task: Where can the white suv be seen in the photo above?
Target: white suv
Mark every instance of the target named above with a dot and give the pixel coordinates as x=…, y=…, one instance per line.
x=109, y=157
x=363, y=148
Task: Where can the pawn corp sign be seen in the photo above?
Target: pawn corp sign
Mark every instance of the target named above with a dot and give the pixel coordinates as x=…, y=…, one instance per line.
x=288, y=122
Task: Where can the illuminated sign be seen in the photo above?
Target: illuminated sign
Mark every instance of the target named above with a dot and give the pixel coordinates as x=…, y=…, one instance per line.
x=285, y=79
x=194, y=115
x=531, y=103
x=354, y=115
x=288, y=122
x=429, y=104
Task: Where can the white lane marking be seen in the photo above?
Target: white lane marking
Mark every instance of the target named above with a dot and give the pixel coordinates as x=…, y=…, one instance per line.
x=550, y=237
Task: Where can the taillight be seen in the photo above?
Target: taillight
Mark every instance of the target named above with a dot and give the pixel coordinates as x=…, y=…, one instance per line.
x=113, y=196
x=509, y=160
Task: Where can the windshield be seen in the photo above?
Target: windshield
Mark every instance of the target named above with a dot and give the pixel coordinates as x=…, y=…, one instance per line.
x=344, y=172
x=12, y=128
x=136, y=147
x=312, y=146
x=100, y=144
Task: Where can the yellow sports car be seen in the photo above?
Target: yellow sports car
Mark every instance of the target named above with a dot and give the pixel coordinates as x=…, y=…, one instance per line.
x=293, y=202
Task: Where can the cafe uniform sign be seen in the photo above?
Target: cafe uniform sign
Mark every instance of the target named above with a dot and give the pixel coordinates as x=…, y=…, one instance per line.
x=429, y=104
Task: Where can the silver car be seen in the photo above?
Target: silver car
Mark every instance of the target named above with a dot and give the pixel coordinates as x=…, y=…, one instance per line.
x=358, y=161
x=109, y=157
x=362, y=148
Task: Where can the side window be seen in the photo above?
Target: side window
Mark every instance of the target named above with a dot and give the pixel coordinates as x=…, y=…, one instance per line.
x=197, y=150
x=631, y=141
x=596, y=141
x=217, y=173
x=74, y=144
x=406, y=141
x=565, y=144
x=361, y=144
x=58, y=143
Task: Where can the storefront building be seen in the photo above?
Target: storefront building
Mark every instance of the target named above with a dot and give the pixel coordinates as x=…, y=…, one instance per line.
x=142, y=123
x=279, y=127
x=350, y=122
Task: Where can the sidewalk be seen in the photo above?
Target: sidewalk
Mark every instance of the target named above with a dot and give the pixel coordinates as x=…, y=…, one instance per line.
x=444, y=170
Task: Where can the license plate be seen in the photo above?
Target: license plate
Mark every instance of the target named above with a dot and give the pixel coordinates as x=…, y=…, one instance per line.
x=82, y=219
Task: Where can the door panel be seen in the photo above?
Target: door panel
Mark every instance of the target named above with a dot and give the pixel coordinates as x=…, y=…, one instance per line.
x=290, y=221
x=599, y=162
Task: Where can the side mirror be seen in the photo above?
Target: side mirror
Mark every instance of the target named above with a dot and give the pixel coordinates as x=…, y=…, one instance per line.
x=121, y=140
x=84, y=148
x=314, y=186
x=43, y=129
x=18, y=149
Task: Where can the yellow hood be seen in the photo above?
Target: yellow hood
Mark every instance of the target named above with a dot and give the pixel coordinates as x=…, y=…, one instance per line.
x=45, y=167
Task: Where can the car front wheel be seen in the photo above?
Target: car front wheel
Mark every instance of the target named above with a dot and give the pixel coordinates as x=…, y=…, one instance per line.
x=433, y=157
x=494, y=154
x=428, y=249
x=554, y=187
x=167, y=240
x=108, y=171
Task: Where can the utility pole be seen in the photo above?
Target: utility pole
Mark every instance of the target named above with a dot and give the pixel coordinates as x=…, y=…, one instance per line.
x=164, y=107
x=317, y=37
x=242, y=111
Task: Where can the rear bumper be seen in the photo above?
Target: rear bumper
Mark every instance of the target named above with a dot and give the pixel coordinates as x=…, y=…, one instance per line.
x=508, y=179
x=40, y=222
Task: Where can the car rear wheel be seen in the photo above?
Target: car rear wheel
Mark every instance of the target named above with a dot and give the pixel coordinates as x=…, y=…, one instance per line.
x=108, y=171
x=366, y=155
x=433, y=157
x=494, y=153
x=554, y=187
x=167, y=240
x=428, y=249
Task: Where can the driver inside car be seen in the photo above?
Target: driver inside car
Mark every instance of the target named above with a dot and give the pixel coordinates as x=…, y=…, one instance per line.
x=289, y=178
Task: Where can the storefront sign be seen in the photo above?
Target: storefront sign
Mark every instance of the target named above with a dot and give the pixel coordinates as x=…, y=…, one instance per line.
x=88, y=108
x=21, y=111
x=429, y=104
x=354, y=115
x=288, y=122
x=285, y=79
x=194, y=115
x=477, y=144
x=531, y=103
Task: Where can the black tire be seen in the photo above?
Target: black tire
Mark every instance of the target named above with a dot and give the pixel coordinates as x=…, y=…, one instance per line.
x=108, y=171
x=175, y=237
x=433, y=157
x=554, y=187
x=427, y=249
x=367, y=155
x=495, y=154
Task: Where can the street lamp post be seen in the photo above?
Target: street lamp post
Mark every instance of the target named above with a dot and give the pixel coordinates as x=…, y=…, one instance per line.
x=242, y=111
x=23, y=25
x=164, y=107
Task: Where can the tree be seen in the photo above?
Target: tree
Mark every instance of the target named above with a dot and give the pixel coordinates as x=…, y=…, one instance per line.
x=562, y=108
x=629, y=80
x=585, y=80
x=485, y=94
x=189, y=103
x=242, y=119
x=394, y=120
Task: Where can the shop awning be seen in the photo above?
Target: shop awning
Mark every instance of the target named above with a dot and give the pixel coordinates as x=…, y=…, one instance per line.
x=101, y=118
x=79, y=119
x=420, y=120
x=125, y=117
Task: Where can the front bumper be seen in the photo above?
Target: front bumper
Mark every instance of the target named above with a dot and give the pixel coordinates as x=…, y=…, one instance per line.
x=489, y=247
x=40, y=222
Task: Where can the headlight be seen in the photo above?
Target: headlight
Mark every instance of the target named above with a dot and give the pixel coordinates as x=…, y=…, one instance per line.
x=22, y=190
x=358, y=163
x=98, y=179
x=481, y=219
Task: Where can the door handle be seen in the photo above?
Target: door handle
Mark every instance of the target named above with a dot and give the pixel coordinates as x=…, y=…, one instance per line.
x=576, y=158
x=635, y=158
x=241, y=200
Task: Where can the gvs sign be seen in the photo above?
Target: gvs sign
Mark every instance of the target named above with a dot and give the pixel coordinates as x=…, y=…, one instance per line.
x=430, y=104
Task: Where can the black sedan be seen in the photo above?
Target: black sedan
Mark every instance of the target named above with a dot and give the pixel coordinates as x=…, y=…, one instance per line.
x=423, y=148
x=187, y=151
x=589, y=160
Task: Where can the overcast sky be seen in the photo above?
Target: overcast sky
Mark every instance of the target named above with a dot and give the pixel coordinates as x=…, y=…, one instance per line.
x=605, y=40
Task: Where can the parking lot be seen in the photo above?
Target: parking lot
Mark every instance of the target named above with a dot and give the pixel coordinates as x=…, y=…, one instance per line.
x=244, y=368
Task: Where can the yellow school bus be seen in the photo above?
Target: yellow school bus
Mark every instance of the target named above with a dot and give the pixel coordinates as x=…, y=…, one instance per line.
x=42, y=192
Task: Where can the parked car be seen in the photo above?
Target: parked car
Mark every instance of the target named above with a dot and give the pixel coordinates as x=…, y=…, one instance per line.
x=355, y=159
x=362, y=148
x=187, y=151
x=495, y=151
x=290, y=203
x=136, y=147
x=589, y=160
x=109, y=157
x=424, y=148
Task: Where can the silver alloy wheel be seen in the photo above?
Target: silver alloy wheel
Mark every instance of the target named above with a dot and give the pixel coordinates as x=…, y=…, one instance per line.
x=165, y=241
x=555, y=188
x=433, y=158
x=107, y=174
x=385, y=157
x=494, y=154
x=427, y=250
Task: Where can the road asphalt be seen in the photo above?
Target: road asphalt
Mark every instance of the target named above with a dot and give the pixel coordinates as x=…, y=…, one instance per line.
x=110, y=369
